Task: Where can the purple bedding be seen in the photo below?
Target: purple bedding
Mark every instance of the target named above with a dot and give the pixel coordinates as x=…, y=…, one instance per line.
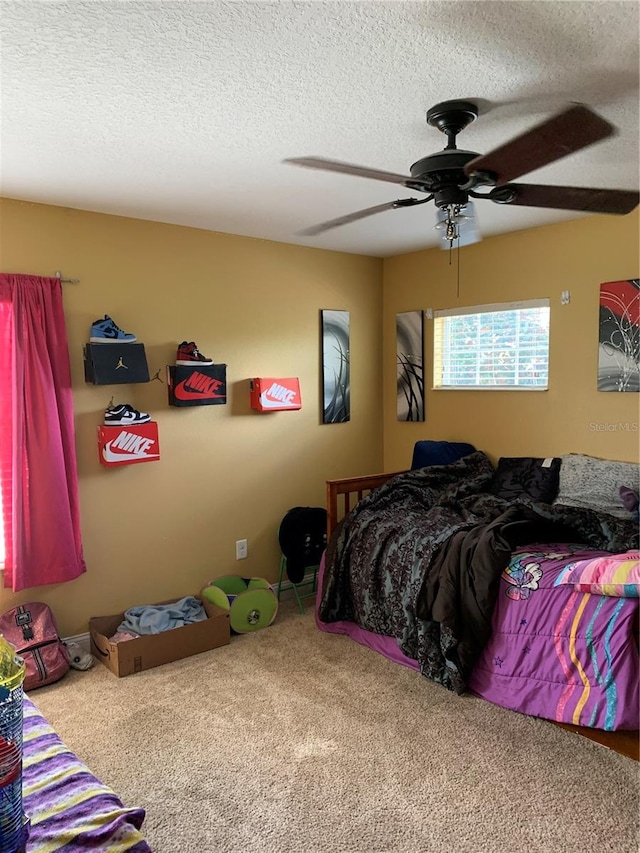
x=556, y=653
x=553, y=653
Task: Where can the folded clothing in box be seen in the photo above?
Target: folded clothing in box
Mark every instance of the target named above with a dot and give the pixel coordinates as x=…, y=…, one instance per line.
x=149, y=650
x=155, y=618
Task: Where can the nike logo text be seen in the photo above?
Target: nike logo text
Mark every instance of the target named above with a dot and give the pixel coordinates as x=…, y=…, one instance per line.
x=128, y=445
x=277, y=396
x=199, y=386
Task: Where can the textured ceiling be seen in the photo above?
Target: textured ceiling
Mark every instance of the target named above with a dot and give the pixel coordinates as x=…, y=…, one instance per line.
x=182, y=112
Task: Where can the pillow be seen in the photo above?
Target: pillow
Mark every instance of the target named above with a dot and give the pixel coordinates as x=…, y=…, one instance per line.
x=427, y=453
x=595, y=483
x=526, y=477
x=614, y=574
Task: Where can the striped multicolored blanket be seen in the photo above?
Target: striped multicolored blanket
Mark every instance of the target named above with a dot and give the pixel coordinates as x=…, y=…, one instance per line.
x=70, y=810
x=559, y=653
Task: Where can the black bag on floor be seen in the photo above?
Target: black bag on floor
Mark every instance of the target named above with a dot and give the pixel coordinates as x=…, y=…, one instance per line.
x=303, y=539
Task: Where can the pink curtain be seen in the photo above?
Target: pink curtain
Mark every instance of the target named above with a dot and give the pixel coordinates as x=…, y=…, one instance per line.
x=38, y=471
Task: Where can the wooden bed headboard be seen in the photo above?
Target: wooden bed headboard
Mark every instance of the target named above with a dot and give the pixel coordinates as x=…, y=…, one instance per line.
x=342, y=495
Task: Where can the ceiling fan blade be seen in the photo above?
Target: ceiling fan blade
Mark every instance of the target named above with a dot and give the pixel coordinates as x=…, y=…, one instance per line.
x=313, y=230
x=562, y=134
x=350, y=169
x=567, y=198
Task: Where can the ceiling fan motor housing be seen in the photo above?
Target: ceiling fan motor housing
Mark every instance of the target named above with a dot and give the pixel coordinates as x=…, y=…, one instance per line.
x=443, y=174
x=450, y=195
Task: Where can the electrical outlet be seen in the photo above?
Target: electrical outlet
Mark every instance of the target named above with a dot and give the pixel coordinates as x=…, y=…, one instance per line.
x=241, y=549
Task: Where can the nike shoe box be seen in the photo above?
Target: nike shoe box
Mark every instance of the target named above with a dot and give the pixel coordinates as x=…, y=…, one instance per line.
x=204, y=385
x=275, y=395
x=115, y=364
x=151, y=650
x=128, y=445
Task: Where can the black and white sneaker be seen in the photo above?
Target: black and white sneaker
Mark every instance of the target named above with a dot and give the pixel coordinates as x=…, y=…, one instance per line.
x=124, y=415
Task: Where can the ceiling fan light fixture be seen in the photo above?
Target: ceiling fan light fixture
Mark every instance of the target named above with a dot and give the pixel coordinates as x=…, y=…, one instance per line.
x=457, y=223
x=455, y=214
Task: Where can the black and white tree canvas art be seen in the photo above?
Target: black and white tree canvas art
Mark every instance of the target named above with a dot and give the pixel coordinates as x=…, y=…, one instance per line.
x=410, y=367
x=335, y=367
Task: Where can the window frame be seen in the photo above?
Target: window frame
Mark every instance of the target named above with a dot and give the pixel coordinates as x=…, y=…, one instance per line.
x=496, y=307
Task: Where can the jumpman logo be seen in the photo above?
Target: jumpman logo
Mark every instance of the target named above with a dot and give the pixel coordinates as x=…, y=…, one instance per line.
x=121, y=364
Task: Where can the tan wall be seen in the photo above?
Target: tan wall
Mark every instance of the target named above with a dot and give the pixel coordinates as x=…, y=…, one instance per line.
x=164, y=529
x=576, y=256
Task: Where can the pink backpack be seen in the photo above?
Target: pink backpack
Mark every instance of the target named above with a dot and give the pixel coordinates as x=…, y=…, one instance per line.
x=32, y=629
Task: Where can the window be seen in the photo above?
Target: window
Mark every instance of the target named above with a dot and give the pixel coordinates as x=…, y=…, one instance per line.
x=502, y=346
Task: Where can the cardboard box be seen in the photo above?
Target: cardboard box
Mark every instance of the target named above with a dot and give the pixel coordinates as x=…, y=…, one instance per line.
x=205, y=385
x=115, y=363
x=275, y=395
x=128, y=445
x=155, y=649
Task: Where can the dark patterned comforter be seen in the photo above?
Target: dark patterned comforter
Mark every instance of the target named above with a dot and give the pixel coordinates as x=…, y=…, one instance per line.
x=420, y=560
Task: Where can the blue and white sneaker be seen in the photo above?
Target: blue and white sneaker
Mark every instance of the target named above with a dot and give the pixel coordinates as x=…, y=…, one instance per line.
x=124, y=414
x=107, y=332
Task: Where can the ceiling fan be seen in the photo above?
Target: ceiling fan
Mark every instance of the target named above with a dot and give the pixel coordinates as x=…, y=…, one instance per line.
x=453, y=176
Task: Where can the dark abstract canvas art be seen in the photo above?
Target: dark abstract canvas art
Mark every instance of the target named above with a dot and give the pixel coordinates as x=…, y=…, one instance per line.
x=619, y=343
x=410, y=368
x=335, y=367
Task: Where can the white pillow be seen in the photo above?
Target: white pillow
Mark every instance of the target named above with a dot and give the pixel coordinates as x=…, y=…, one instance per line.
x=595, y=483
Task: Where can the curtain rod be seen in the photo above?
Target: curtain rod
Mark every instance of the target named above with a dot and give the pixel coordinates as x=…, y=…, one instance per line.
x=67, y=280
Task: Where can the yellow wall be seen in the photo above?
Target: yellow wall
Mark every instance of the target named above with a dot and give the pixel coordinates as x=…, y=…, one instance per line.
x=541, y=262
x=164, y=529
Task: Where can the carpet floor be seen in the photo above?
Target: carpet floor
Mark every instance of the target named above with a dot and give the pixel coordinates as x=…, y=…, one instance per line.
x=290, y=740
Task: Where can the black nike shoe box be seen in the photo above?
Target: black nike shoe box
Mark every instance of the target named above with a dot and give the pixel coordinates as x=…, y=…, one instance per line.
x=115, y=364
x=202, y=385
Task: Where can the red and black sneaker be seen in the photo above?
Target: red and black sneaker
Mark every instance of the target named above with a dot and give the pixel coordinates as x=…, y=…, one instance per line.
x=190, y=355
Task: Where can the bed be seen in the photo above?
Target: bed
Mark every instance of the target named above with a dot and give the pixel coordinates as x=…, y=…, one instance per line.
x=433, y=569
x=69, y=809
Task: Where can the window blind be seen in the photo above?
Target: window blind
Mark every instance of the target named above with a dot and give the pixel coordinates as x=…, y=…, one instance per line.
x=503, y=346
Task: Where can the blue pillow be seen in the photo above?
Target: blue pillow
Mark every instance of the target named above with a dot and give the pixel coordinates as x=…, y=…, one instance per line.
x=426, y=453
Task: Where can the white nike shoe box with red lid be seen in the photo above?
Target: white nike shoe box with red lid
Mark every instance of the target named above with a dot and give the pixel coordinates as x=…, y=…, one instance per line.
x=128, y=445
x=275, y=395
x=197, y=385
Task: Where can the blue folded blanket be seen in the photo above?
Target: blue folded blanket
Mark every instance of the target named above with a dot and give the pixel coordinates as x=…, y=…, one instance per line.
x=155, y=618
